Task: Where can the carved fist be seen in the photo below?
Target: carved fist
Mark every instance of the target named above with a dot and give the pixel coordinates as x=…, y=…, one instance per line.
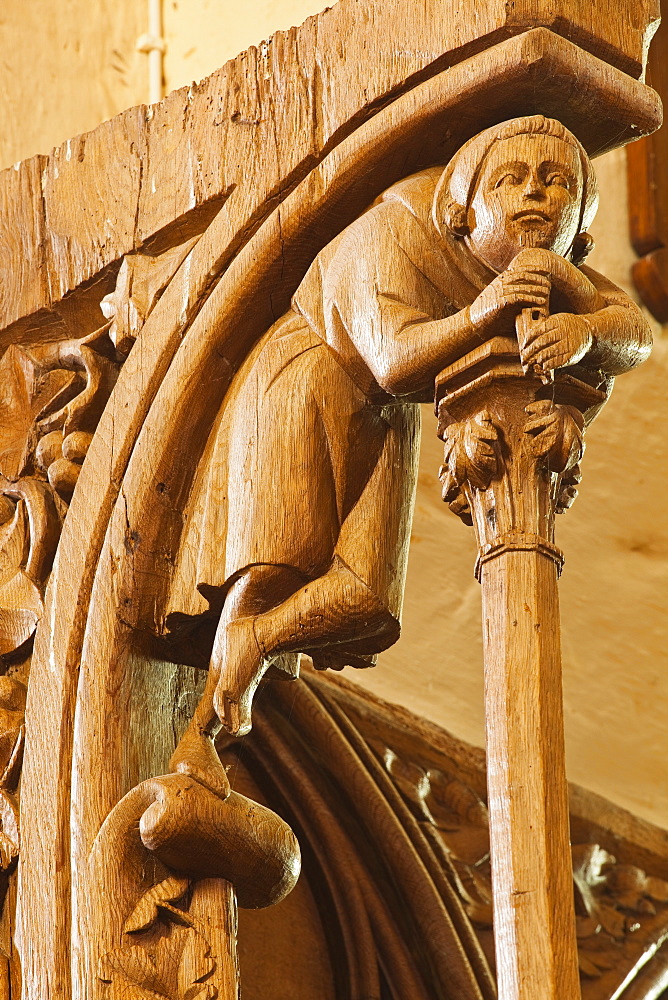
x=506, y=296
x=560, y=340
x=555, y=434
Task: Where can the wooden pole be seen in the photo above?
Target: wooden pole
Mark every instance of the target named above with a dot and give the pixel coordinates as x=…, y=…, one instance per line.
x=534, y=918
x=510, y=443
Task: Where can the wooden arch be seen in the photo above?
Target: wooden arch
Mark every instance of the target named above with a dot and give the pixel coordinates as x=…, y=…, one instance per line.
x=95, y=665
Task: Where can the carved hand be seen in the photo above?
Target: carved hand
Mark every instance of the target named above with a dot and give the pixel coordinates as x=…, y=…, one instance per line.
x=506, y=296
x=581, y=294
x=560, y=340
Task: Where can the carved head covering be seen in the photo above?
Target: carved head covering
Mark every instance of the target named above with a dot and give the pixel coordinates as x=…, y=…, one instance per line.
x=455, y=190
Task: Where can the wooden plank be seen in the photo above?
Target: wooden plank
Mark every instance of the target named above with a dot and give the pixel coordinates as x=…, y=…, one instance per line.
x=91, y=192
x=23, y=274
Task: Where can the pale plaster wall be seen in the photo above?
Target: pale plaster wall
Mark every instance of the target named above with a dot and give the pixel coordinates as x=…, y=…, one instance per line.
x=65, y=69
x=65, y=66
x=613, y=590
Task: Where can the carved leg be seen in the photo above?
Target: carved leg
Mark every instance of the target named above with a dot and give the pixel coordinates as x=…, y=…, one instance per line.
x=259, y=587
x=333, y=609
x=336, y=608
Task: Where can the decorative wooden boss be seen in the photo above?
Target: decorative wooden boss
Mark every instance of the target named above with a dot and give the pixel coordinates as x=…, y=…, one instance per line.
x=384, y=206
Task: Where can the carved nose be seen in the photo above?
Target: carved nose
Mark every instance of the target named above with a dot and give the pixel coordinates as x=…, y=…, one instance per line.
x=534, y=188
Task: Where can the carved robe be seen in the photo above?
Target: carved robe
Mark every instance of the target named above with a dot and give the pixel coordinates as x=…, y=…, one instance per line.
x=312, y=461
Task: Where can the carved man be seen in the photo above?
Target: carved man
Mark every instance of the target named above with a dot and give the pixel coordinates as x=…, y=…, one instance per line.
x=317, y=449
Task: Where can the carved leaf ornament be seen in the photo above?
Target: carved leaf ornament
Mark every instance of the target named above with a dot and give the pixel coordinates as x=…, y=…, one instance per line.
x=171, y=960
x=143, y=460
x=392, y=813
x=20, y=600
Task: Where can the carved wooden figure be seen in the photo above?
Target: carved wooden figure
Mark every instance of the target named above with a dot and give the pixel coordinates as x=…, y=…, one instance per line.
x=512, y=413
x=438, y=273
x=213, y=422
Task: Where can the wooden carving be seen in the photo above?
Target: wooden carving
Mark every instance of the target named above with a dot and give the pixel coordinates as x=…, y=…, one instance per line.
x=396, y=893
x=512, y=412
x=214, y=390
x=648, y=196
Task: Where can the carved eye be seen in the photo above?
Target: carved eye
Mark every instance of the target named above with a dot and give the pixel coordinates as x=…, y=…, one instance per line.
x=559, y=179
x=509, y=178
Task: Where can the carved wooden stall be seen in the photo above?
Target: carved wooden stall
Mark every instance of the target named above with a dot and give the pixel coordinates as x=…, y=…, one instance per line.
x=218, y=317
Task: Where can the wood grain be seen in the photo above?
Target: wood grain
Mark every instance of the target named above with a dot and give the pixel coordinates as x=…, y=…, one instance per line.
x=350, y=771
x=225, y=201
x=512, y=415
x=648, y=198
x=249, y=105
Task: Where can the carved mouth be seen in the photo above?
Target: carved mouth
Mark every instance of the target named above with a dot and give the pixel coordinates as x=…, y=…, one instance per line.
x=531, y=215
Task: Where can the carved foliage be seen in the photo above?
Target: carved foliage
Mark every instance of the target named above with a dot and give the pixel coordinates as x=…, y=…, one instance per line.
x=621, y=913
x=385, y=808
x=472, y=457
x=166, y=955
x=477, y=453
x=51, y=399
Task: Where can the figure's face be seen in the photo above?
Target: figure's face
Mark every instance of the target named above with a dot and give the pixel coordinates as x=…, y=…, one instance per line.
x=528, y=194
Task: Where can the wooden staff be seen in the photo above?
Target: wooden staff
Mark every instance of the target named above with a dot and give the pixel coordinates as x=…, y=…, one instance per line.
x=510, y=441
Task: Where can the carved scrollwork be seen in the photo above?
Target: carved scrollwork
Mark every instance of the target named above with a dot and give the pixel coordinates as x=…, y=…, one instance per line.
x=29, y=531
x=621, y=912
x=168, y=842
x=392, y=817
x=52, y=398
x=12, y=737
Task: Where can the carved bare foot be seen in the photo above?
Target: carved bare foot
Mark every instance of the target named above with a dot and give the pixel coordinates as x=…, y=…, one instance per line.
x=240, y=663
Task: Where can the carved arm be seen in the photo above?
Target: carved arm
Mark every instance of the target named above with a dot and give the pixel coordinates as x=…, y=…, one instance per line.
x=413, y=354
x=622, y=336
x=603, y=328
x=406, y=354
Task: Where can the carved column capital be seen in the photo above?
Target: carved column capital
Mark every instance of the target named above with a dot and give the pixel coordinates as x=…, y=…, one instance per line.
x=512, y=447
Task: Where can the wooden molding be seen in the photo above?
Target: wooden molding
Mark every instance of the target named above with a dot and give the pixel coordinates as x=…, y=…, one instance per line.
x=391, y=813
x=164, y=273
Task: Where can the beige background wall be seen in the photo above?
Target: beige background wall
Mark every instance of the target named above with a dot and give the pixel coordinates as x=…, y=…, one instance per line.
x=66, y=67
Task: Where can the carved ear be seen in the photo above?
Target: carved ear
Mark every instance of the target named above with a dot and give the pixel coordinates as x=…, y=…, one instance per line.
x=583, y=244
x=455, y=217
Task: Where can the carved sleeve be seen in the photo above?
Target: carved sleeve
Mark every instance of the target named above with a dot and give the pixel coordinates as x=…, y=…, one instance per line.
x=381, y=301
x=622, y=337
